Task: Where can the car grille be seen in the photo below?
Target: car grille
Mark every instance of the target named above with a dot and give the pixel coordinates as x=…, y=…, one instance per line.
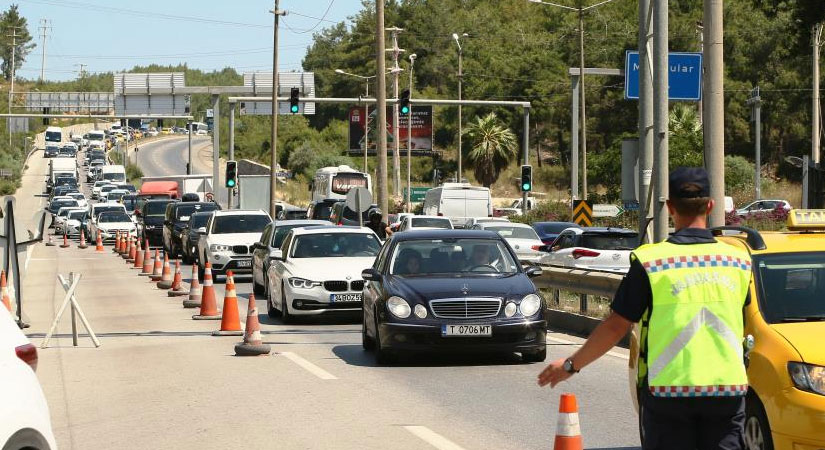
x=357, y=285
x=335, y=286
x=465, y=308
x=240, y=249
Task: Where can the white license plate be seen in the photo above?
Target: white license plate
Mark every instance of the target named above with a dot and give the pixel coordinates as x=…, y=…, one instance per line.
x=466, y=330
x=344, y=298
x=245, y=263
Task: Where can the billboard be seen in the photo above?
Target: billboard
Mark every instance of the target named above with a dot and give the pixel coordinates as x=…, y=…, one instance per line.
x=422, y=130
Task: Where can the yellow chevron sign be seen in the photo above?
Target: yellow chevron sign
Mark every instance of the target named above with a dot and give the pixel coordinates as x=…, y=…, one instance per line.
x=583, y=213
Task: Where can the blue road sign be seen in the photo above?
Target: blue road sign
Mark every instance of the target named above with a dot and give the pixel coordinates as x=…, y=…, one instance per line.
x=684, y=76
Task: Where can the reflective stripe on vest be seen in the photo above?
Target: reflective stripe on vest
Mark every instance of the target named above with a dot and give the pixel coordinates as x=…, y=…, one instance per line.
x=693, y=342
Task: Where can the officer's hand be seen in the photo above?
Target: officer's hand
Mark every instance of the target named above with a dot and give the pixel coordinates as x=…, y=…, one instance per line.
x=553, y=374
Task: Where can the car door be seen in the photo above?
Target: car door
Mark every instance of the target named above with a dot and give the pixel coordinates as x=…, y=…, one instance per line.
x=373, y=289
x=259, y=255
x=277, y=270
x=562, y=248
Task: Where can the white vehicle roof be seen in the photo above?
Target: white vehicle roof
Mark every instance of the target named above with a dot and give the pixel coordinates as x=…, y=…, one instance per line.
x=240, y=212
x=485, y=225
x=326, y=229
x=427, y=217
x=62, y=197
x=300, y=222
x=70, y=208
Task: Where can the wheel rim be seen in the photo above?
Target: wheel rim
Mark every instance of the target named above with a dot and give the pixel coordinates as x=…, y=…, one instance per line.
x=754, y=439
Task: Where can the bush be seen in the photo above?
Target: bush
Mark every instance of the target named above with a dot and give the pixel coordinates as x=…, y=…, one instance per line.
x=546, y=212
x=739, y=173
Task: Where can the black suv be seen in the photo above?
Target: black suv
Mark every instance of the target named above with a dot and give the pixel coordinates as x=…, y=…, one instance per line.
x=177, y=216
x=320, y=210
x=150, y=221
x=342, y=215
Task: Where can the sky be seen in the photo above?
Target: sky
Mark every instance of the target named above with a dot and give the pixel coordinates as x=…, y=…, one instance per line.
x=109, y=35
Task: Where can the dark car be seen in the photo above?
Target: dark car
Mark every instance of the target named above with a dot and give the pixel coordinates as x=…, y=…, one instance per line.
x=55, y=205
x=62, y=190
x=549, y=231
x=129, y=201
x=320, y=210
x=190, y=235
x=453, y=291
x=150, y=221
x=177, y=216
x=51, y=151
x=292, y=213
x=342, y=215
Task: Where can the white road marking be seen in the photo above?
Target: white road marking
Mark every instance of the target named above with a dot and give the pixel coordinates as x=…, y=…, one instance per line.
x=564, y=341
x=431, y=437
x=312, y=368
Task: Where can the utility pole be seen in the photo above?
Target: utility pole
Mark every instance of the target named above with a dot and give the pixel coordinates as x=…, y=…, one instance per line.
x=409, y=137
x=231, y=152
x=714, y=103
x=381, y=104
x=396, y=152
x=460, y=121
x=815, y=111
x=582, y=122
x=13, y=37
x=700, y=30
x=273, y=155
x=366, y=126
x=660, y=119
x=645, y=117
x=45, y=26
x=755, y=101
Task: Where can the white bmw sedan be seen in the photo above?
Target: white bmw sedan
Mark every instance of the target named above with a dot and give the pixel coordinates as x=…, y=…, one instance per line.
x=318, y=270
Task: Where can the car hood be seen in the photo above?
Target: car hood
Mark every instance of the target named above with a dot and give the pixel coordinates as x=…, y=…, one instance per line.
x=234, y=238
x=322, y=269
x=802, y=336
x=427, y=287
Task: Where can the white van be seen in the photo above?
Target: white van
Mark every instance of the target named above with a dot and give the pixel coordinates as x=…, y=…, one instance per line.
x=113, y=174
x=96, y=135
x=54, y=135
x=458, y=202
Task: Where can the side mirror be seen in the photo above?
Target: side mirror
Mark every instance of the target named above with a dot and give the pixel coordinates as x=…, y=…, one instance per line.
x=201, y=230
x=371, y=275
x=277, y=254
x=533, y=271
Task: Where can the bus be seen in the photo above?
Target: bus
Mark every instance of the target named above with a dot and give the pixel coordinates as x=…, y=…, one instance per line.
x=336, y=182
x=200, y=128
x=54, y=135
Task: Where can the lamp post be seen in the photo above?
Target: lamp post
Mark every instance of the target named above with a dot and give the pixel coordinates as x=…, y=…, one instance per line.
x=409, y=137
x=460, y=77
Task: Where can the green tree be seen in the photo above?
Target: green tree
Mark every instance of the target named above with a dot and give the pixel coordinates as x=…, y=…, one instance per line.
x=686, y=142
x=12, y=23
x=493, y=146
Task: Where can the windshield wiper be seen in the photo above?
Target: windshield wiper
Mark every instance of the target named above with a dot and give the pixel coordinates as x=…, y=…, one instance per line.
x=804, y=319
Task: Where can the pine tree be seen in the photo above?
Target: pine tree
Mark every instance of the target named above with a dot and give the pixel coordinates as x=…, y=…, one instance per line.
x=11, y=22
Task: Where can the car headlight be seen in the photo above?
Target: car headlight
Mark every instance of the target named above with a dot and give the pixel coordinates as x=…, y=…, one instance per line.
x=399, y=307
x=420, y=311
x=303, y=283
x=218, y=248
x=530, y=305
x=510, y=309
x=808, y=377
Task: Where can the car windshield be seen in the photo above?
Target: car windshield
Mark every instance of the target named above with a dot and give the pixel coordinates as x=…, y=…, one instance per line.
x=250, y=223
x=198, y=220
x=76, y=215
x=335, y=245
x=103, y=209
x=452, y=256
x=107, y=188
x=109, y=217
x=612, y=241
x=154, y=208
x=322, y=210
x=57, y=204
x=791, y=286
x=512, y=232
x=430, y=222
x=184, y=212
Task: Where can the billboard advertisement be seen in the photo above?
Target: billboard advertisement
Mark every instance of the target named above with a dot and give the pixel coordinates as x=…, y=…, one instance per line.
x=422, y=130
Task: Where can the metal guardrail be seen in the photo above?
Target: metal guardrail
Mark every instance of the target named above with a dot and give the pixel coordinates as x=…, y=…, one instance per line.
x=579, y=281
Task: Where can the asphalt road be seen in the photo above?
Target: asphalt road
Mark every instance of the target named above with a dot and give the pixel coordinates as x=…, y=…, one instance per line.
x=161, y=380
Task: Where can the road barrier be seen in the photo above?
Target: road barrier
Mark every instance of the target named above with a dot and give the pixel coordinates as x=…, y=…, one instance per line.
x=230, y=320
x=70, y=299
x=209, y=306
x=568, y=430
x=252, y=344
x=580, y=281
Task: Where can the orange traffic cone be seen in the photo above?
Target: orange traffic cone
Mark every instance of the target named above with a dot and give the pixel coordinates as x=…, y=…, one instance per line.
x=82, y=240
x=138, y=262
x=252, y=344
x=4, y=290
x=195, y=290
x=128, y=244
x=157, y=273
x=99, y=243
x=149, y=265
x=116, y=247
x=65, y=243
x=177, y=283
x=166, y=277
x=568, y=431
x=209, y=306
x=147, y=256
x=230, y=321
x=50, y=243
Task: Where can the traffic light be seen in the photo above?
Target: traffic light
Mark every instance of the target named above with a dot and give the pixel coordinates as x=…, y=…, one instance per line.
x=526, y=178
x=404, y=102
x=231, y=174
x=293, y=100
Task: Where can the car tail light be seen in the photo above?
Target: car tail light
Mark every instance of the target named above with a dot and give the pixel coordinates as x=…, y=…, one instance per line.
x=440, y=214
x=340, y=222
x=583, y=253
x=537, y=248
x=28, y=354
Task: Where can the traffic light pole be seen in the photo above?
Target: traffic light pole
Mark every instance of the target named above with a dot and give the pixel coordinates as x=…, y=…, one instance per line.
x=526, y=150
x=230, y=194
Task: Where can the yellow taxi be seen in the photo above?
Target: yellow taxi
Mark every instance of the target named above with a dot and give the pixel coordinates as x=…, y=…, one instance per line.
x=784, y=334
x=785, y=330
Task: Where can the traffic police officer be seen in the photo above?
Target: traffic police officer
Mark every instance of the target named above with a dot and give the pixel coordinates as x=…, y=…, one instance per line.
x=688, y=292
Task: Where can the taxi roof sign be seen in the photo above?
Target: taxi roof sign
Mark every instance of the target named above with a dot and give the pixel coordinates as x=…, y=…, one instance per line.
x=806, y=219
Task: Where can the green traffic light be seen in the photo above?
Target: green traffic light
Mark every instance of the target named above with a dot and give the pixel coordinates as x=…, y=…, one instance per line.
x=525, y=187
x=230, y=183
x=294, y=109
x=405, y=110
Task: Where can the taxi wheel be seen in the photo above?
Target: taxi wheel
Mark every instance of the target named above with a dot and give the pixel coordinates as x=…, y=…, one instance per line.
x=757, y=431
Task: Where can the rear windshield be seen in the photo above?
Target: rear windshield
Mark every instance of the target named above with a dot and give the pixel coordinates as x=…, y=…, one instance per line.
x=252, y=223
x=352, y=215
x=184, y=212
x=103, y=209
x=514, y=232
x=321, y=211
x=280, y=233
x=57, y=204
x=154, y=208
x=603, y=241
x=553, y=227
x=791, y=286
x=430, y=222
x=198, y=220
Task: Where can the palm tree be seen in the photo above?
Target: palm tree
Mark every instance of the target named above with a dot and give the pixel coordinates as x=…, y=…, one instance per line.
x=493, y=147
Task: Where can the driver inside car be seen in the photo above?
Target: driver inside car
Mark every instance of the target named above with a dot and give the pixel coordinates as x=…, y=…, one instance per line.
x=480, y=256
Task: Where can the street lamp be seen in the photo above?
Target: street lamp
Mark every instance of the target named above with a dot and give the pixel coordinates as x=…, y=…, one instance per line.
x=409, y=136
x=366, y=110
x=460, y=76
x=582, y=142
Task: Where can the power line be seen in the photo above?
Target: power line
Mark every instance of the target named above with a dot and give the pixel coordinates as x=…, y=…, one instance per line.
x=320, y=19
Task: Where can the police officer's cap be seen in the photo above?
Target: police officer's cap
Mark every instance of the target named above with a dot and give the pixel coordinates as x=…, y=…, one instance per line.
x=689, y=182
